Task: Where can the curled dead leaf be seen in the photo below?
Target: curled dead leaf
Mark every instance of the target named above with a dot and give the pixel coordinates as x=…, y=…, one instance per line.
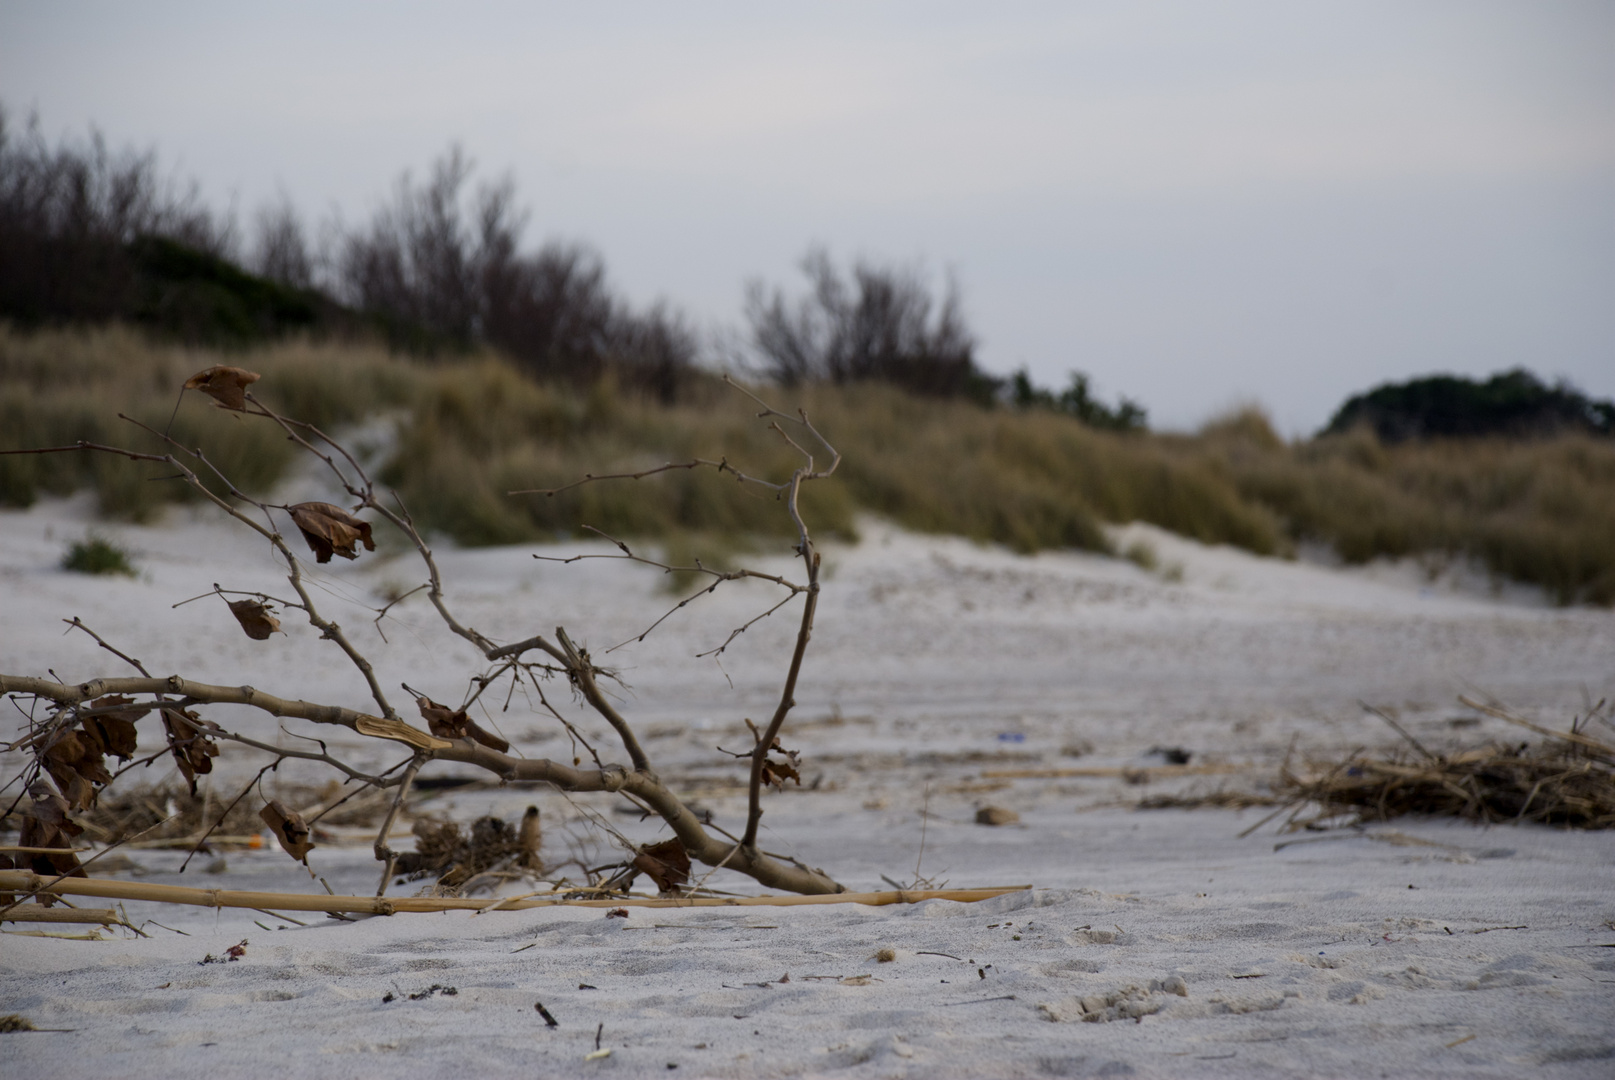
x=193, y=752
x=255, y=618
x=225, y=385
x=289, y=828
x=447, y=723
x=331, y=530
x=71, y=765
x=113, y=732
x=45, y=824
x=667, y=864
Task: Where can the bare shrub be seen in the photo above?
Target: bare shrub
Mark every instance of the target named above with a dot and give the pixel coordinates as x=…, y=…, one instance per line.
x=281, y=249
x=881, y=324
x=443, y=268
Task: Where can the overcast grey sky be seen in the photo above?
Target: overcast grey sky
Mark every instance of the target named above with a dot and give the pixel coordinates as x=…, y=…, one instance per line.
x=1200, y=204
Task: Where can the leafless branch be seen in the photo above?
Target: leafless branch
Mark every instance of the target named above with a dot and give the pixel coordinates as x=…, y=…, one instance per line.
x=638, y=782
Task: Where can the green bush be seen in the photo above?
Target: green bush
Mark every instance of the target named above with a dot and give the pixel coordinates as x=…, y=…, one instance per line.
x=97, y=555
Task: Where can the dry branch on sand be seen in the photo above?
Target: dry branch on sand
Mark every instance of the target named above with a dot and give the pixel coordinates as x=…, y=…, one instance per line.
x=67, y=743
x=21, y=881
x=1568, y=779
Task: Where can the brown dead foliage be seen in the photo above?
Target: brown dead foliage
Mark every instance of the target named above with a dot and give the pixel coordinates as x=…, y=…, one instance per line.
x=289, y=828
x=193, y=751
x=1557, y=782
x=224, y=384
x=331, y=530
x=255, y=618
x=443, y=851
x=76, y=757
x=667, y=864
x=447, y=723
x=775, y=773
x=46, y=824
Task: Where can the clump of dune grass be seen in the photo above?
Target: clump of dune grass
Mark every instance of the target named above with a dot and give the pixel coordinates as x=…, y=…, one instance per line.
x=1541, y=511
x=97, y=555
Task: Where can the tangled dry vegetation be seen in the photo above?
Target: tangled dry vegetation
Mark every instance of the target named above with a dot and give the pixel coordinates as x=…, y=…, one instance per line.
x=1567, y=779
x=73, y=730
x=463, y=434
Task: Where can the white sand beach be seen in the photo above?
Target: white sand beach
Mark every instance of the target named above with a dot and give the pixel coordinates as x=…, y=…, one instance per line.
x=1153, y=943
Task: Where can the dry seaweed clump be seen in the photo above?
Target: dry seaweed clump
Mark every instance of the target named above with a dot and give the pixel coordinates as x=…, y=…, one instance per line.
x=494, y=851
x=1567, y=779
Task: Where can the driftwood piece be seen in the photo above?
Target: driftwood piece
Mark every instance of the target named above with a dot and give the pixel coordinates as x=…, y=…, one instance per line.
x=22, y=881
x=333, y=530
x=38, y=913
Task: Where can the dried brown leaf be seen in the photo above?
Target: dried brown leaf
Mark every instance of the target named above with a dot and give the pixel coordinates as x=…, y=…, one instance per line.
x=74, y=761
x=447, y=723
x=289, y=828
x=225, y=385
x=667, y=864
x=46, y=824
x=193, y=752
x=255, y=618
x=331, y=530
x=777, y=772
x=113, y=733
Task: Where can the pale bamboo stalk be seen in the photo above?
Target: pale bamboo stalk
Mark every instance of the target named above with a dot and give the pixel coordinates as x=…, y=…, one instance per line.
x=36, y=913
x=23, y=881
x=15, y=849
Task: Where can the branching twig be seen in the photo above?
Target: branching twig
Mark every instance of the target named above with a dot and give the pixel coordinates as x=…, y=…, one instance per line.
x=638, y=781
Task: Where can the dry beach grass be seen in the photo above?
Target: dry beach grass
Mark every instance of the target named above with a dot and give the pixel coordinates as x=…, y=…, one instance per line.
x=469, y=431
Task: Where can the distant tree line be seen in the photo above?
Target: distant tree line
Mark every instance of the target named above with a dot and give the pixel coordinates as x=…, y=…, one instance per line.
x=91, y=235
x=1511, y=403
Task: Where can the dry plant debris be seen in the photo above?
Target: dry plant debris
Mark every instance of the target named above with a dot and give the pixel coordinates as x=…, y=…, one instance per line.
x=453, y=858
x=224, y=384
x=447, y=723
x=667, y=864
x=331, y=530
x=1567, y=779
x=289, y=828
x=45, y=824
x=255, y=618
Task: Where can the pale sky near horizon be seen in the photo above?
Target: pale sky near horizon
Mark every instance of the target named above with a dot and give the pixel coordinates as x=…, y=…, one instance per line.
x=1199, y=204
